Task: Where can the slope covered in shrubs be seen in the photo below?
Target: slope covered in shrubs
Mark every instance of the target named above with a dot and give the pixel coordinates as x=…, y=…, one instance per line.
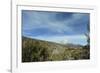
x=34, y=50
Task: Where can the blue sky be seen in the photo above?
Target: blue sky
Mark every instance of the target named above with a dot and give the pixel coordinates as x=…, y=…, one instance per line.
x=60, y=27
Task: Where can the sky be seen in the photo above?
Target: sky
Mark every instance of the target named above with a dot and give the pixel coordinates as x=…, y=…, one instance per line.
x=59, y=27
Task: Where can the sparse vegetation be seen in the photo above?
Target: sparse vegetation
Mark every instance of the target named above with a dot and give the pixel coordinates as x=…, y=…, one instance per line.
x=37, y=50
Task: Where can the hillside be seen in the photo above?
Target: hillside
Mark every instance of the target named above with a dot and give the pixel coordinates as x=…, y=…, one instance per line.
x=34, y=50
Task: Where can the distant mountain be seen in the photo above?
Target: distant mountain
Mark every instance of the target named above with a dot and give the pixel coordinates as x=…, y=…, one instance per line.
x=73, y=45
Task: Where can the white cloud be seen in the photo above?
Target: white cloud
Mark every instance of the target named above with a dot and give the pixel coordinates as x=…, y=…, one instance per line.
x=75, y=39
x=37, y=20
